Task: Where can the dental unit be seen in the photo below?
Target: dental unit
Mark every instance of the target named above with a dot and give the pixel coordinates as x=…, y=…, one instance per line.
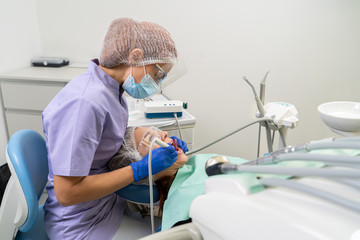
x=295, y=192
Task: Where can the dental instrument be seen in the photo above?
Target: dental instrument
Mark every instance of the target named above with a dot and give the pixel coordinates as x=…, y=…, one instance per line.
x=262, y=88
x=222, y=168
x=284, y=116
x=262, y=99
x=178, y=126
x=260, y=106
x=161, y=144
x=328, y=143
x=273, y=116
x=221, y=165
x=175, y=145
x=151, y=140
x=229, y=134
x=257, y=99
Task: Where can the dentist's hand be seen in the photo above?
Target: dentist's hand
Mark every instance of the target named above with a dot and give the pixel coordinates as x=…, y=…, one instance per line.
x=161, y=159
x=181, y=144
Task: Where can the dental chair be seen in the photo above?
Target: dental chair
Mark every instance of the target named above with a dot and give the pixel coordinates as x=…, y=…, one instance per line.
x=21, y=217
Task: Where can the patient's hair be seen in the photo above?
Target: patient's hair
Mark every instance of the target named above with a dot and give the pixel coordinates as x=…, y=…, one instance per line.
x=164, y=185
x=127, y=154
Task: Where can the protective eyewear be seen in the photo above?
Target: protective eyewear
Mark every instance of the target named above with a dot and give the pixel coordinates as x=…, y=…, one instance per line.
x=161, y=74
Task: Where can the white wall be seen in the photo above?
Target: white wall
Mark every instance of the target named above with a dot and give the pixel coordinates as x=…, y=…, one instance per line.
x=19, y=42
x=312, y=49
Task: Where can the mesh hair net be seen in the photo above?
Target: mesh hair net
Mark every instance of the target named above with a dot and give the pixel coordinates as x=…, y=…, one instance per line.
x=126, y=34
x=127, y=153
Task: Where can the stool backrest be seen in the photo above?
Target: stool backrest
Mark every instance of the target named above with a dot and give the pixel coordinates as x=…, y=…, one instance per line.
x=27, y=159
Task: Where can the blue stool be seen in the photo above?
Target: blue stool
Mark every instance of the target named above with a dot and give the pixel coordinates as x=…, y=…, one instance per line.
x=138, y=193
x=20, y=213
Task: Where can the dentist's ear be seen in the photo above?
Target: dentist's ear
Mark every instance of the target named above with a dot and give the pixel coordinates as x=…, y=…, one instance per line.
x=135, y=55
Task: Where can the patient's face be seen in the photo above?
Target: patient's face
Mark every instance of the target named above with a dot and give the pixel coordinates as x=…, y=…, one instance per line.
x=163, y=135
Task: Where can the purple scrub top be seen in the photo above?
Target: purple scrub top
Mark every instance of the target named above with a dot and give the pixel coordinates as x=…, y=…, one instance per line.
x=84, y=126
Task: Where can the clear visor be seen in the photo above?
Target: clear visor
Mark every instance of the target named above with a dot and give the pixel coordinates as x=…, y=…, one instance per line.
x=161, y=74
x=173, y=72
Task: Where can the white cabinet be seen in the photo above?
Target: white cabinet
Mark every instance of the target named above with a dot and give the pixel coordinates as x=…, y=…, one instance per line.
x=26, y=92
x=28, y=96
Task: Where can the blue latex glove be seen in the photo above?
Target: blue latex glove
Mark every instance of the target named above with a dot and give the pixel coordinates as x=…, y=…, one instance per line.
x=181, y=144
x=161, y=159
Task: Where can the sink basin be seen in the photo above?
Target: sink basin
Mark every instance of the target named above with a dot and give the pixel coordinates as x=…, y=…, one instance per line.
x=341, y=117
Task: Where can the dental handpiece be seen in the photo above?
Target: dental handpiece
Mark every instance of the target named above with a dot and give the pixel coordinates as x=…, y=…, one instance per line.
x=262, y=88
x=257, y=99
x=163, y=144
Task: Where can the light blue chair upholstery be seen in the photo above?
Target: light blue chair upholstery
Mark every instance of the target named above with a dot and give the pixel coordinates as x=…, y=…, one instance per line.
x=20, y=213
x=138, y=193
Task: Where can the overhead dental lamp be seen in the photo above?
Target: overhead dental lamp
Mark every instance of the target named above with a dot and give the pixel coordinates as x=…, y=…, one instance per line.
x=341, y=117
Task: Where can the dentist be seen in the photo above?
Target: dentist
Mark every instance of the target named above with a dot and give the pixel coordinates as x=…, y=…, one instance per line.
x=84, y=126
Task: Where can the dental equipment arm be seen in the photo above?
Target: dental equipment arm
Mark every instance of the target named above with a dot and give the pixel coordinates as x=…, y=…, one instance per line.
x=299, y=172
x=220, y=165
x=329, y=143
x=229, y=134
x=318, y=157
x=275, y=182
x=350, y=182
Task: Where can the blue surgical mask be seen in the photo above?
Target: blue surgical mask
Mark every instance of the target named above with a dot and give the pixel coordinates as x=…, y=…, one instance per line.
x=144, y=89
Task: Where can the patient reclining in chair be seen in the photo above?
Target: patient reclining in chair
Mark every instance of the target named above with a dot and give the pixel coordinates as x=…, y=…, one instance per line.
x=178, y=184
x=135, y=146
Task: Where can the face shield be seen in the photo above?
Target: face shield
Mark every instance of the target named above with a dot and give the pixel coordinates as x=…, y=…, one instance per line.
x=174, y=72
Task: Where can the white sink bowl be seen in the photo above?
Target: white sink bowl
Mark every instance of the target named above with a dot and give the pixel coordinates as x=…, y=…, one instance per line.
x=341, y=117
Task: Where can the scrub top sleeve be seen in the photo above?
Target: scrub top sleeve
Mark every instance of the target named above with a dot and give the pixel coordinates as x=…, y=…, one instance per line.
x=73, y=134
